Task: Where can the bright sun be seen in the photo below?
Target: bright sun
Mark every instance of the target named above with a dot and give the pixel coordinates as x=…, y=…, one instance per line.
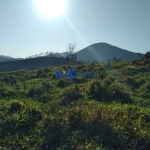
x=50, y=8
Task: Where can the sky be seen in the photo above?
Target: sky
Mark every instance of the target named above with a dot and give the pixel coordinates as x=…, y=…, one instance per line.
x=25, y=31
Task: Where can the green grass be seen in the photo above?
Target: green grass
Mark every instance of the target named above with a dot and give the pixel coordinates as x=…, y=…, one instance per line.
x=108, y=111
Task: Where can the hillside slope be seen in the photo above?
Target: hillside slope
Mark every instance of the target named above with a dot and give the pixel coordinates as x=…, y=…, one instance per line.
x=103, y=52
x=8, y=58
x=108, y=111
x=32, y=63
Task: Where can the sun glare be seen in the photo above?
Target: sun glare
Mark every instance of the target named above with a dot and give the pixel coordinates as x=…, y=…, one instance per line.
x=50, y=8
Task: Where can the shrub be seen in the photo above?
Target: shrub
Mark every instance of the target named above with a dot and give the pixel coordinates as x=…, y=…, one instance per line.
x=144, y=90
x=131, y=81
x=10, y=93
x=116, y=92
x=140, y=81
x=2, y=92
x=46, y=85
x=84, y=70
x=39, y=72
x=147, y=61
x=50, y=74
x=43, y=75
x=17, y=87
x=107, y=81
x=46, y=70
x=27, y=118
x=13, y=81
x=64, y=67
x=45, y=98
x=134, y=62
x=81, y=66
x=97, y=91
x=70, y=95
x=34, y=91
x=53, y=76
x=63, y=82
x=79, y=80
x=15, y=106
x=52, y=131
x=8, y=79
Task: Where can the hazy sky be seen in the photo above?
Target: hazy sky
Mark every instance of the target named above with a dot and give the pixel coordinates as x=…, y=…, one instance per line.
x=25, y=31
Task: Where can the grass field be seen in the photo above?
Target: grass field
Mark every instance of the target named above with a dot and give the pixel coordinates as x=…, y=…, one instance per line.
x=108, y=111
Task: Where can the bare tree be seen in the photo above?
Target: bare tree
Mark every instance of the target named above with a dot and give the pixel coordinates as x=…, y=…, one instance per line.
x=71, y=55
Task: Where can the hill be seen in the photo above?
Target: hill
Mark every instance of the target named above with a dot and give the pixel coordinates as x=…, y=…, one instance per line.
x=32, y=63
x=8, y=58
x=103, y=52
x=108, y=111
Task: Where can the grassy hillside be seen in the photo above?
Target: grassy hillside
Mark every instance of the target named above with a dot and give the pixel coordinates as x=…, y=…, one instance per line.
x=108, y=111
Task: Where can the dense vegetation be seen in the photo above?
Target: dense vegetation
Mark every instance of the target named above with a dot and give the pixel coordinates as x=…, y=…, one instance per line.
x=108, y=111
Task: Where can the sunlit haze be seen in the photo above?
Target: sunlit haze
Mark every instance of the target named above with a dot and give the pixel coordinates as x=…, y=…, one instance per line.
x=50, y=8
x=29, y=27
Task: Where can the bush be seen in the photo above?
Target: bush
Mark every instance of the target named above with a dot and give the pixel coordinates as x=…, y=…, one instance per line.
x=10, y=93
x=45, y=98
x=140, y=81
x=34, y=91
x=118, y=94
x=81, y=66
x=64, y=67
x=15, y=106
x=107, y=81
x=43, y=75
x=52, y=131
x=8, y=79
x=39, y=72
x=13, y=81
x=70, y=95
x=46, y=85
x=147, y=61
x=131, y=81
x=134, y=62
x=46, y=70
x=144, y=90
x=2, y=92
x=53, y=76
x=63, y=82
x=97, y=91
x=79, y=80
x=28, y=119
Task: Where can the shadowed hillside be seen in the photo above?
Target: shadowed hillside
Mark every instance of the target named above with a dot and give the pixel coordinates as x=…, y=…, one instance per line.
x=31, y=64
x=103, y=52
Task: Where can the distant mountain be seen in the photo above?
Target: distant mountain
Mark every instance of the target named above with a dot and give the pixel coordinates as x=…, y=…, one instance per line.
x=8, y=58
x=63, y=54
x=103, y=52
x=5, y=58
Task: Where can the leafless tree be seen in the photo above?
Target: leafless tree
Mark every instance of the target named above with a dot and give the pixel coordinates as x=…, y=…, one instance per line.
x=70, y=54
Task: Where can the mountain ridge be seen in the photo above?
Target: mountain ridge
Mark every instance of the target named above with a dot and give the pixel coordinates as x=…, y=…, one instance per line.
x=105, y=52
x=4, y=58
x=101, y=52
